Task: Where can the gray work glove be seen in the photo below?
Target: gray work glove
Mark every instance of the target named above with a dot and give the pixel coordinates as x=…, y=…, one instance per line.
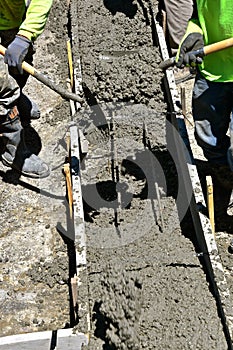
x=193, y=42
x=16, y=52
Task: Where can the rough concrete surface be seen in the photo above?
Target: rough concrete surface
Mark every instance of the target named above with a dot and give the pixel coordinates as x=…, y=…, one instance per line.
x=147, y=287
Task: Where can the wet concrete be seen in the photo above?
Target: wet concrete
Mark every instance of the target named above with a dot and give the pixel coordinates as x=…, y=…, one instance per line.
x=170, y=299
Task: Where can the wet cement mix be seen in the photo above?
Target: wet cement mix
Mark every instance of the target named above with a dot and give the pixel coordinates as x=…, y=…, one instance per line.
x=147, y=287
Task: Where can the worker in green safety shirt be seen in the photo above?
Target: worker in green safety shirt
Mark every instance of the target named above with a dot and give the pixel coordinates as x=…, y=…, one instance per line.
x=212, y=100
x=21, y=22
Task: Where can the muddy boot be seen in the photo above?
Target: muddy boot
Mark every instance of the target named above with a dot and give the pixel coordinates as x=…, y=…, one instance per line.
x=222, y=195
x=28, y=109
x=16, y=155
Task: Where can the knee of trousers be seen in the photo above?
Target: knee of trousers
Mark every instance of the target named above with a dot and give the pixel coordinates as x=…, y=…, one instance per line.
x=212, y=149
x=9, y=89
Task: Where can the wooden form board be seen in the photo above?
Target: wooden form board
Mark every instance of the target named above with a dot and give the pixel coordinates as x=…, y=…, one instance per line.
x=63, y=339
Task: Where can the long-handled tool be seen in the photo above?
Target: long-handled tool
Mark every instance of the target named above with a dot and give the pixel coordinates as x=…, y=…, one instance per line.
x=206, y=50
x=46, y=81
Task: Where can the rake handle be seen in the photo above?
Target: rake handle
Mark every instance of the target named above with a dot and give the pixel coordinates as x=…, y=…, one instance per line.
x=46, y=81
x=206, y=50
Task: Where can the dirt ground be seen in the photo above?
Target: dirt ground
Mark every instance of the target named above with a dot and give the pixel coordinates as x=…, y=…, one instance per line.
x=147, y=286
x=33, y=256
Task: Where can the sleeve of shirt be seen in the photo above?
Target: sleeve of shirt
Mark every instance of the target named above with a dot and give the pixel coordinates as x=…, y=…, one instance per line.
x=36, y=18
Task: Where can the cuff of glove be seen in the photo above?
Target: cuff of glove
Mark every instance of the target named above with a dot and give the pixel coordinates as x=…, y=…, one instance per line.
x=25, y=34
x=23, y=38
x=193, y=27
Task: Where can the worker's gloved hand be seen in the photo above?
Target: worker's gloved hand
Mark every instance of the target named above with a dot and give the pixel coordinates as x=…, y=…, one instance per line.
x=193, y=42
x=16, y=52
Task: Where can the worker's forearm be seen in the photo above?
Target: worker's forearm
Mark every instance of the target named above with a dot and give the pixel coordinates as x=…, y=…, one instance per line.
x=36, y=18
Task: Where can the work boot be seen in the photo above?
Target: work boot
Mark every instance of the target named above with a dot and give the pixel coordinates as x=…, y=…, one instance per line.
x=28, y=109
x=16, y=154
x=222, y=195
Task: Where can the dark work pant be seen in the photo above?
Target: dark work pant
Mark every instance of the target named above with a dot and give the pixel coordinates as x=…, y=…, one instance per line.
x=9, y=90
x=212, y=107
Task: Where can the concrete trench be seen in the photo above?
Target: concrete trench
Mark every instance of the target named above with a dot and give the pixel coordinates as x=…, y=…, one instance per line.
x=143, y=285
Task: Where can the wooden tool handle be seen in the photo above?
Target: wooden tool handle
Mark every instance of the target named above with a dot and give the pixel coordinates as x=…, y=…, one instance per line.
x=210, y=201
x=46, y=81
x=2, y=50
x=221, y=45
x=206, y=50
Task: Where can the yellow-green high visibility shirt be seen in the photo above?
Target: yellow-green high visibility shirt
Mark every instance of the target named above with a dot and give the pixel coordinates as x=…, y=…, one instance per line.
x=12, y=16
x=215, y=21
